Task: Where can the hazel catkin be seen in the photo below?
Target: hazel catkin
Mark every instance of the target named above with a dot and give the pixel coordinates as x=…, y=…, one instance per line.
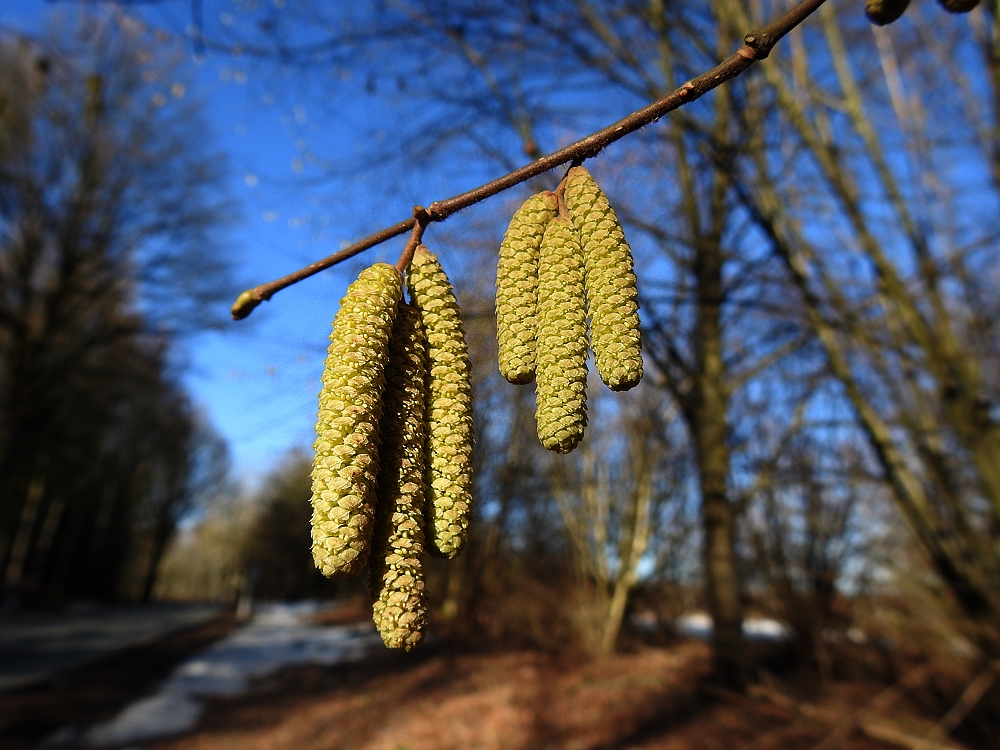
x=345, y=465
x=449, y=407
x=517, y=287
x=612, y=295
x=561, y=370
x=399, y=600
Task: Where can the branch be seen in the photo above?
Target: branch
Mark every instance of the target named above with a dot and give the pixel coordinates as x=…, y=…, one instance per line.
x=756, y=46
x=866, y=718
x=966, y=702
x=420, y=219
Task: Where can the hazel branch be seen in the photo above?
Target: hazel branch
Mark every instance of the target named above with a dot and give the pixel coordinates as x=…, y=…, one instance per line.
x=756, y=46
x=420, y=218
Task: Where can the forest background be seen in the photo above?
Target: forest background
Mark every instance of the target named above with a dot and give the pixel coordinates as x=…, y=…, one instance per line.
x=816, y=438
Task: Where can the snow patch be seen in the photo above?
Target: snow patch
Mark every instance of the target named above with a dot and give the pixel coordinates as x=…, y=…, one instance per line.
x=156, y=716
x=699, y=625
x=279, y=636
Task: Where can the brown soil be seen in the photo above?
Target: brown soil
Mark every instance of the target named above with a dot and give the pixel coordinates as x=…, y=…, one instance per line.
x=649, y=700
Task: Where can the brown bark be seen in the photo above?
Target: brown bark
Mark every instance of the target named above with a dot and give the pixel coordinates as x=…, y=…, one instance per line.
x=705, y=396
x=707, y=420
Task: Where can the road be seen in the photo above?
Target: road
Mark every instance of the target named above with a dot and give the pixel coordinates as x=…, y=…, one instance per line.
x=34, y=647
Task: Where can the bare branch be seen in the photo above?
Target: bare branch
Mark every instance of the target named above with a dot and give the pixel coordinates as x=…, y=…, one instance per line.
x=756, y=46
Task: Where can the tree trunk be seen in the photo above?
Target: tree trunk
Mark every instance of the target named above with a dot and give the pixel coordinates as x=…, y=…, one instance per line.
x=633, y=545
x=707, y=420
x=21, y=546
x=156, y=556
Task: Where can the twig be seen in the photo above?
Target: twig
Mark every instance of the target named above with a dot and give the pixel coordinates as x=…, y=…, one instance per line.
x=756, y=46
x=421, y=219
x=893, y=735
x=881, y=702
x=786, y=709
x=966, y=702
x=249, y=299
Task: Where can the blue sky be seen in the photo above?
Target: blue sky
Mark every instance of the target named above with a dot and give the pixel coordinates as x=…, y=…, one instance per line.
x=257, y=379
x=295, y=143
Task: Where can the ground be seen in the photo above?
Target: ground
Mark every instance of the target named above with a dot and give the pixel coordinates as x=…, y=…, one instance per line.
x=653, y=699
x=441, y=698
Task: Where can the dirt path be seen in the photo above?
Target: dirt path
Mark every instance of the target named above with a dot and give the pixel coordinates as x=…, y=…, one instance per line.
x=653, y=699
x=439, y=702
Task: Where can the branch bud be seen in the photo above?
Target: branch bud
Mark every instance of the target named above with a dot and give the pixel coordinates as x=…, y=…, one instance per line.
x=958, y=6
x=882, y=12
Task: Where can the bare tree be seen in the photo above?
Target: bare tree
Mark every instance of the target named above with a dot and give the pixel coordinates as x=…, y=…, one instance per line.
x=808, y=215
x=108, y=209
x=511, y=69
x=614, y=494
x=804, y=531
x=901, y=300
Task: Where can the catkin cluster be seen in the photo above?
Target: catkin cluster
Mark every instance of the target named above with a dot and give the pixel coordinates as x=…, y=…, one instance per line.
x=563, y=259
x=393, y=453
x=392, y=473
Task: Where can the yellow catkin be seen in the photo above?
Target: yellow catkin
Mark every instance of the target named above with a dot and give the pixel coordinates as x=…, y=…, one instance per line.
x=561, y=372
x=350, y=405
x=399, y=599
x=449, y=407
x=882, y=12
x=517, y=287
x=612, y=296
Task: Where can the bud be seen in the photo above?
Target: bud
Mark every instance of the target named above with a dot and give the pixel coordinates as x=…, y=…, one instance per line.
x=612, y=296
x=449, y=406
x=561, y=395
x=517, y=287
x=958, y=6
x=882, y=12
x=399, y=600
x=350, y=404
